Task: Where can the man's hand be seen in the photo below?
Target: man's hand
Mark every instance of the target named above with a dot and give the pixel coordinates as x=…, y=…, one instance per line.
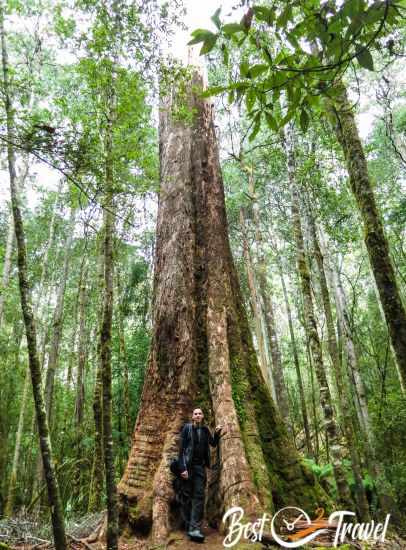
x=185, y=474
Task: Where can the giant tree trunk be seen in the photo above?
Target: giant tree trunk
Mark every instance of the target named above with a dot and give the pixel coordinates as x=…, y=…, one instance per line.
x=374, y=235
x=201, y=352
x=28, y=316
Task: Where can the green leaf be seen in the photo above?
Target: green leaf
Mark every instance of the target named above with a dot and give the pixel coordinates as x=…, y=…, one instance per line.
x=284, y=17
x=244, y=68
x=288, y=116
x=364, y=58
x=226, y=56
x=351, y=8
x=214, y=90
x=256, y=70
x=250, y=99
x=216, y=19
x=263, y=14
x=209, y=44
x=273, y=125
x=304, y=121
x=257, y=126
x=200, y=35
x=232, y=28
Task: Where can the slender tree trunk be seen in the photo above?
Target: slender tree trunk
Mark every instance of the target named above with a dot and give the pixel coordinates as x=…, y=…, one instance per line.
x=124, y=361
x=45, y=259
x=57, y=323
x=9, y=247
x=282, y=399
x=7, y=265
x=385, y=495
x=25, y=293
x=80, y=385
x=105, y=334
x=345, y=407
x=257, y=312
x=201, y=351
x=295, y=354
x=314, y=408
x=311, y=328
x=96, y=482
x=82, y=351
x=74, y=334
x=375, y=239
x=8, y=510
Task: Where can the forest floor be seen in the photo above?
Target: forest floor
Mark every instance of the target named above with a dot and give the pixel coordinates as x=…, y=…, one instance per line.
x=178, y=540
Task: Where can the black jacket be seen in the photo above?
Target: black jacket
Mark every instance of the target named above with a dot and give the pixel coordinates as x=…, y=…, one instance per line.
x=186, y=445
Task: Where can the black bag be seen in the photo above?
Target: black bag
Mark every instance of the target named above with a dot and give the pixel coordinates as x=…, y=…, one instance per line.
x=174, y=467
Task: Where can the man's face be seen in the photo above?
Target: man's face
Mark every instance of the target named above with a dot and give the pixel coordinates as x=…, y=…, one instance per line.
x=197, y=415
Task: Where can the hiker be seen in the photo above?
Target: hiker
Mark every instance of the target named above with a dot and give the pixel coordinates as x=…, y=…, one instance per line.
x=194, y=457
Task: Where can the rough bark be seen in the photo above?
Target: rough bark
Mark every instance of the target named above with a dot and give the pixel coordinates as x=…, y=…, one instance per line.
x=335, y=448
x=374, y=234
x=27, y=311
x=201, y=352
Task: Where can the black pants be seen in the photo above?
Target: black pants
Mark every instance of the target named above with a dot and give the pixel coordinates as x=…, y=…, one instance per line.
x=194, y=492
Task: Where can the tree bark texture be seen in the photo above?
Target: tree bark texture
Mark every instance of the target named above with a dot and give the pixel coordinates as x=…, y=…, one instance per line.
x=201, y=352
x=374, y=235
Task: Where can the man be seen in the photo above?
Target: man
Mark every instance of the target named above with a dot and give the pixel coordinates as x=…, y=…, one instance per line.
x=194, y=457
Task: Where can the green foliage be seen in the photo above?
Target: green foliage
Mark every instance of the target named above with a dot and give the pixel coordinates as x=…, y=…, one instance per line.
x=274, y=43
